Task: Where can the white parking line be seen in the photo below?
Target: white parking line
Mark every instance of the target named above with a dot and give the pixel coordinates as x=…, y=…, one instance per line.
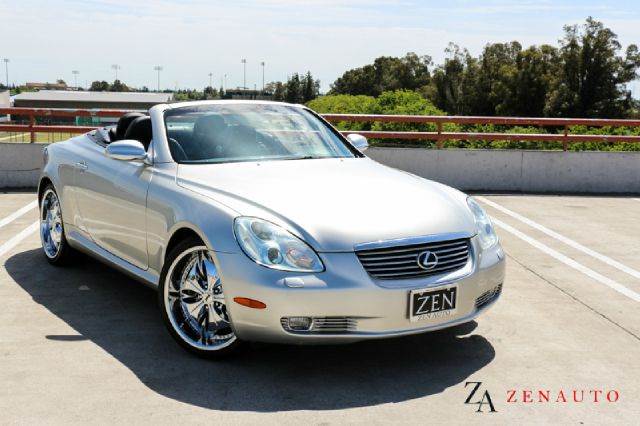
x=601, y=257
x=570, y=262
x=17, y=239
x=13, y=216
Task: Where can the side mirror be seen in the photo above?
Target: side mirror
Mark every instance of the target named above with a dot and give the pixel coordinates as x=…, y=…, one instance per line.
x=358, y=141
x=126, y=150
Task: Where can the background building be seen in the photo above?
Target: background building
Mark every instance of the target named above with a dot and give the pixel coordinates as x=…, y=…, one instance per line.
x=90, y=100
x=47, y=86
x=247, y=94
x=5, y=102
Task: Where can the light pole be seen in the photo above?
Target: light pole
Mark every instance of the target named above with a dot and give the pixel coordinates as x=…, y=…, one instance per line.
x=244, y=78
x=225, y=83
x=6, y=70
x=262, y=63
x=211, y=79
x=158, y=68
x=75, y=78
x=116, y=67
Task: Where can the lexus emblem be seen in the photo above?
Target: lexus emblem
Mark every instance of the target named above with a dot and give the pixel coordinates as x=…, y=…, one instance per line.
x=427, y=260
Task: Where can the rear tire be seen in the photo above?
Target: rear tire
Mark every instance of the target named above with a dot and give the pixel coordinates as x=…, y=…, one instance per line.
x=192, y=302
x=52, y=235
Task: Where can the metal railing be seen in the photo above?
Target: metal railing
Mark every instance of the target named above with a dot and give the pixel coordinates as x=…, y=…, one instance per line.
x=439, y=136
x=32, y=127
x=566, y=138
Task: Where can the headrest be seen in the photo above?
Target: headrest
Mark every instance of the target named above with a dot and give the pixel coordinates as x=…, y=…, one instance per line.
x=140, y=130
x=209, y=124
x=124, y=122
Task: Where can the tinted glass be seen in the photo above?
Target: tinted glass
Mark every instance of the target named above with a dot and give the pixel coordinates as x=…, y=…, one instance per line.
x=249, y=132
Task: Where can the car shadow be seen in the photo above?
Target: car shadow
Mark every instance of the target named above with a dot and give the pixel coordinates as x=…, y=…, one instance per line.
x=121, y=316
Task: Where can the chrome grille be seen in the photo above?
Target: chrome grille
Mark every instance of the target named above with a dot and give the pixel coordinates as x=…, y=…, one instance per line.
x=486, y=297
x=400, y=262
x=333, y=324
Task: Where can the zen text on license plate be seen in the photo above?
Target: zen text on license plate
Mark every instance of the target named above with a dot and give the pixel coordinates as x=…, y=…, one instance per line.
x=432, y=304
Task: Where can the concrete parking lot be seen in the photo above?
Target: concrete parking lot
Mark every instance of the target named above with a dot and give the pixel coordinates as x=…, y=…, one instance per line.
x=85, y=344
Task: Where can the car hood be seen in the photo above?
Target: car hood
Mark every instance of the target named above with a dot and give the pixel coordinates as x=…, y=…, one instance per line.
x=333, y=204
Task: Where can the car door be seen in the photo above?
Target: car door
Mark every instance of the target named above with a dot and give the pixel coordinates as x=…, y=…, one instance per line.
x=111, y=197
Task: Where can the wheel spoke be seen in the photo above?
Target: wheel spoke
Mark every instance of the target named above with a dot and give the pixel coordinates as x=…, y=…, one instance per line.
x=203, y=321
x=191, y=284
x=193, y=308
x=50, y=238
x=221, y=311
x=206, y=270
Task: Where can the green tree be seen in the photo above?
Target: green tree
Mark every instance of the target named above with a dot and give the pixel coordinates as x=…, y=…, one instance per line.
x=593, y=77
x=404, y=102
x=99, y=86
x=293, y=89
x=118, y=86
x=345, y=104
x=210, y=93
x=278, y=91
x=536, y=67
x=310, y=87
x=396, y=102
x=448, y=82
x=386, y=73
x=504, y=80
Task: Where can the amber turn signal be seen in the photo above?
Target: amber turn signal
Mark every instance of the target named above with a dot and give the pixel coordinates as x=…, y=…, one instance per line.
x=249, y=303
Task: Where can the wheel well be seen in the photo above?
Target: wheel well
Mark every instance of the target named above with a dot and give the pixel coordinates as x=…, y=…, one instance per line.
x=43, y=184
x=179, y=236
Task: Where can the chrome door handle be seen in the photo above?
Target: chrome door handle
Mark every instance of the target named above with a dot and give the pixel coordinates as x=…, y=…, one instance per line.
x=82, y=166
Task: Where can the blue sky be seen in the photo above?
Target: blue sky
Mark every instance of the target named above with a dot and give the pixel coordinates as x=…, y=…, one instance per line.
x=46, y=40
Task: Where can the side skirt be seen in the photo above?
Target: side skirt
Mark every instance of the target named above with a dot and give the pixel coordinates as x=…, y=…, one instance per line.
x=81, y=242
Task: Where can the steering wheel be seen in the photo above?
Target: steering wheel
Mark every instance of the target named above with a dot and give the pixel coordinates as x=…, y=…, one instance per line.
x=176, y=150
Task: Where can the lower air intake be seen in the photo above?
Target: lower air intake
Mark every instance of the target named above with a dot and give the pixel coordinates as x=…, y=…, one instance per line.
x=488, y=296
x=326, y=325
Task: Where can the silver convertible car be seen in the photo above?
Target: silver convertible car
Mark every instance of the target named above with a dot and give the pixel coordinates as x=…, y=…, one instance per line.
x=258, y=221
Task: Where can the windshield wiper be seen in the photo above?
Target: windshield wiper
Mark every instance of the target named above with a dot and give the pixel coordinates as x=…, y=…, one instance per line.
x=305, y=157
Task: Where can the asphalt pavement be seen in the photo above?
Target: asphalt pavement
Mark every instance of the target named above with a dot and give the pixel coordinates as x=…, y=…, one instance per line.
x=85, y=344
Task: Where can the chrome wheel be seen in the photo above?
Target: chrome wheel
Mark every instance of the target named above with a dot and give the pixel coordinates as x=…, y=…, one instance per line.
x=51, y=229
x=194, y=301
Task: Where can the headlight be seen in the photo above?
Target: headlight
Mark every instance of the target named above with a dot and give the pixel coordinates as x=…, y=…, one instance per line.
x=486, y=234
x=274, y=247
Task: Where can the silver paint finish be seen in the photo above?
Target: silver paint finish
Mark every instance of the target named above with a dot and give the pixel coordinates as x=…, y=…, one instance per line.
x=333, y=204
x=111, y=197
x=126, y=212
x=358, y=141
x=126, y=150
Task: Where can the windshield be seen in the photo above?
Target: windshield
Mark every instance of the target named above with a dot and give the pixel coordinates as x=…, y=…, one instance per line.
x=218, y=133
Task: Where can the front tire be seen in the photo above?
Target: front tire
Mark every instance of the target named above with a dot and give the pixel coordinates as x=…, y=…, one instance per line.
x=52, y=235
x=192, y=302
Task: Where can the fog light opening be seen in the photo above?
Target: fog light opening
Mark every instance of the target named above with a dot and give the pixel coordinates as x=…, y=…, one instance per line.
x=296, y=323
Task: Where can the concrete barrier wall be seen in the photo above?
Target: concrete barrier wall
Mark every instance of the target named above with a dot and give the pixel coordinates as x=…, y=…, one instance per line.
x=20, y=164
x=479, y=170
x=521, y=171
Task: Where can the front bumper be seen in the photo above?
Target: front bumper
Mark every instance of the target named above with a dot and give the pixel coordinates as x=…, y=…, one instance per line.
x=380, y=309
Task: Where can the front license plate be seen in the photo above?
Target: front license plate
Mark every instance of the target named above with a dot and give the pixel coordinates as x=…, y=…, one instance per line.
x=432, y=304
